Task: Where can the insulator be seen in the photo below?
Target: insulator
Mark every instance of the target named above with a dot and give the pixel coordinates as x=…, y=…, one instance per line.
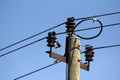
x=88, y=59
x=89, y=48
x=51, y=39
x=89, y=54
x=70, y=26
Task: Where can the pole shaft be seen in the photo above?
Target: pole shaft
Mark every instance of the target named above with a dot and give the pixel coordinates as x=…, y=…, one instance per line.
x=74, y=59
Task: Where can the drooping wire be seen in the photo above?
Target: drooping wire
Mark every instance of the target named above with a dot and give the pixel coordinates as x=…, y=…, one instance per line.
x=94, y=20
x=30, y=37
x=36, y=71
x=22, y=47
x=99, y=15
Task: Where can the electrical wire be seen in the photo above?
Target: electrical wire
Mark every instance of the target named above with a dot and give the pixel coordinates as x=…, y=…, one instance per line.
x=36, y=71
x=56, y=34
x=30, y=37
x=85, y=29
x=102, y=47
x=53, y=28
x=22, y=47
x=115, y=24
x=99, y=15
x=94, y=20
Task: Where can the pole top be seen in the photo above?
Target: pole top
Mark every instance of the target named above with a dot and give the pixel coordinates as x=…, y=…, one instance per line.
x=74, y=37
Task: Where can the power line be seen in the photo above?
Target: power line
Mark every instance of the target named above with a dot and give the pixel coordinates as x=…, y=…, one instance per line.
x=99, y=15
x=76, y=31
x=85, y=29
x=22, y=47
x=36, y=70
x=56, y=34
x=30, y=37
x=87, y=38
x=53, y=28
x=102, y=47
x=115, y=24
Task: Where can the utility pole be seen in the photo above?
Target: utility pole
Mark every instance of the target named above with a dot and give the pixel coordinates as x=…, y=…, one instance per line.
x=72, y=51
x=74, y=59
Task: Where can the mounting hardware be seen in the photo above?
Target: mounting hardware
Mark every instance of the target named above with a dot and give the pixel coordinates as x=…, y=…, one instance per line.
x=58, y=45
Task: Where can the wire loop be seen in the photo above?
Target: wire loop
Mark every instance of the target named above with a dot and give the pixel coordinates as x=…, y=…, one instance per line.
x=94, y=20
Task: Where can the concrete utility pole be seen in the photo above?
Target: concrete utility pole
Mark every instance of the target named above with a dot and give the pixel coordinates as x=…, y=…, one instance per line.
x=74, y=59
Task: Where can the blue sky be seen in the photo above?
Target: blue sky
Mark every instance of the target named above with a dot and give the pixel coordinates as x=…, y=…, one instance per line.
x=22, y=18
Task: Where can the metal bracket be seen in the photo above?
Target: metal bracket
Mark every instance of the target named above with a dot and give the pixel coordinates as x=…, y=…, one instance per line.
x=63, y=59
